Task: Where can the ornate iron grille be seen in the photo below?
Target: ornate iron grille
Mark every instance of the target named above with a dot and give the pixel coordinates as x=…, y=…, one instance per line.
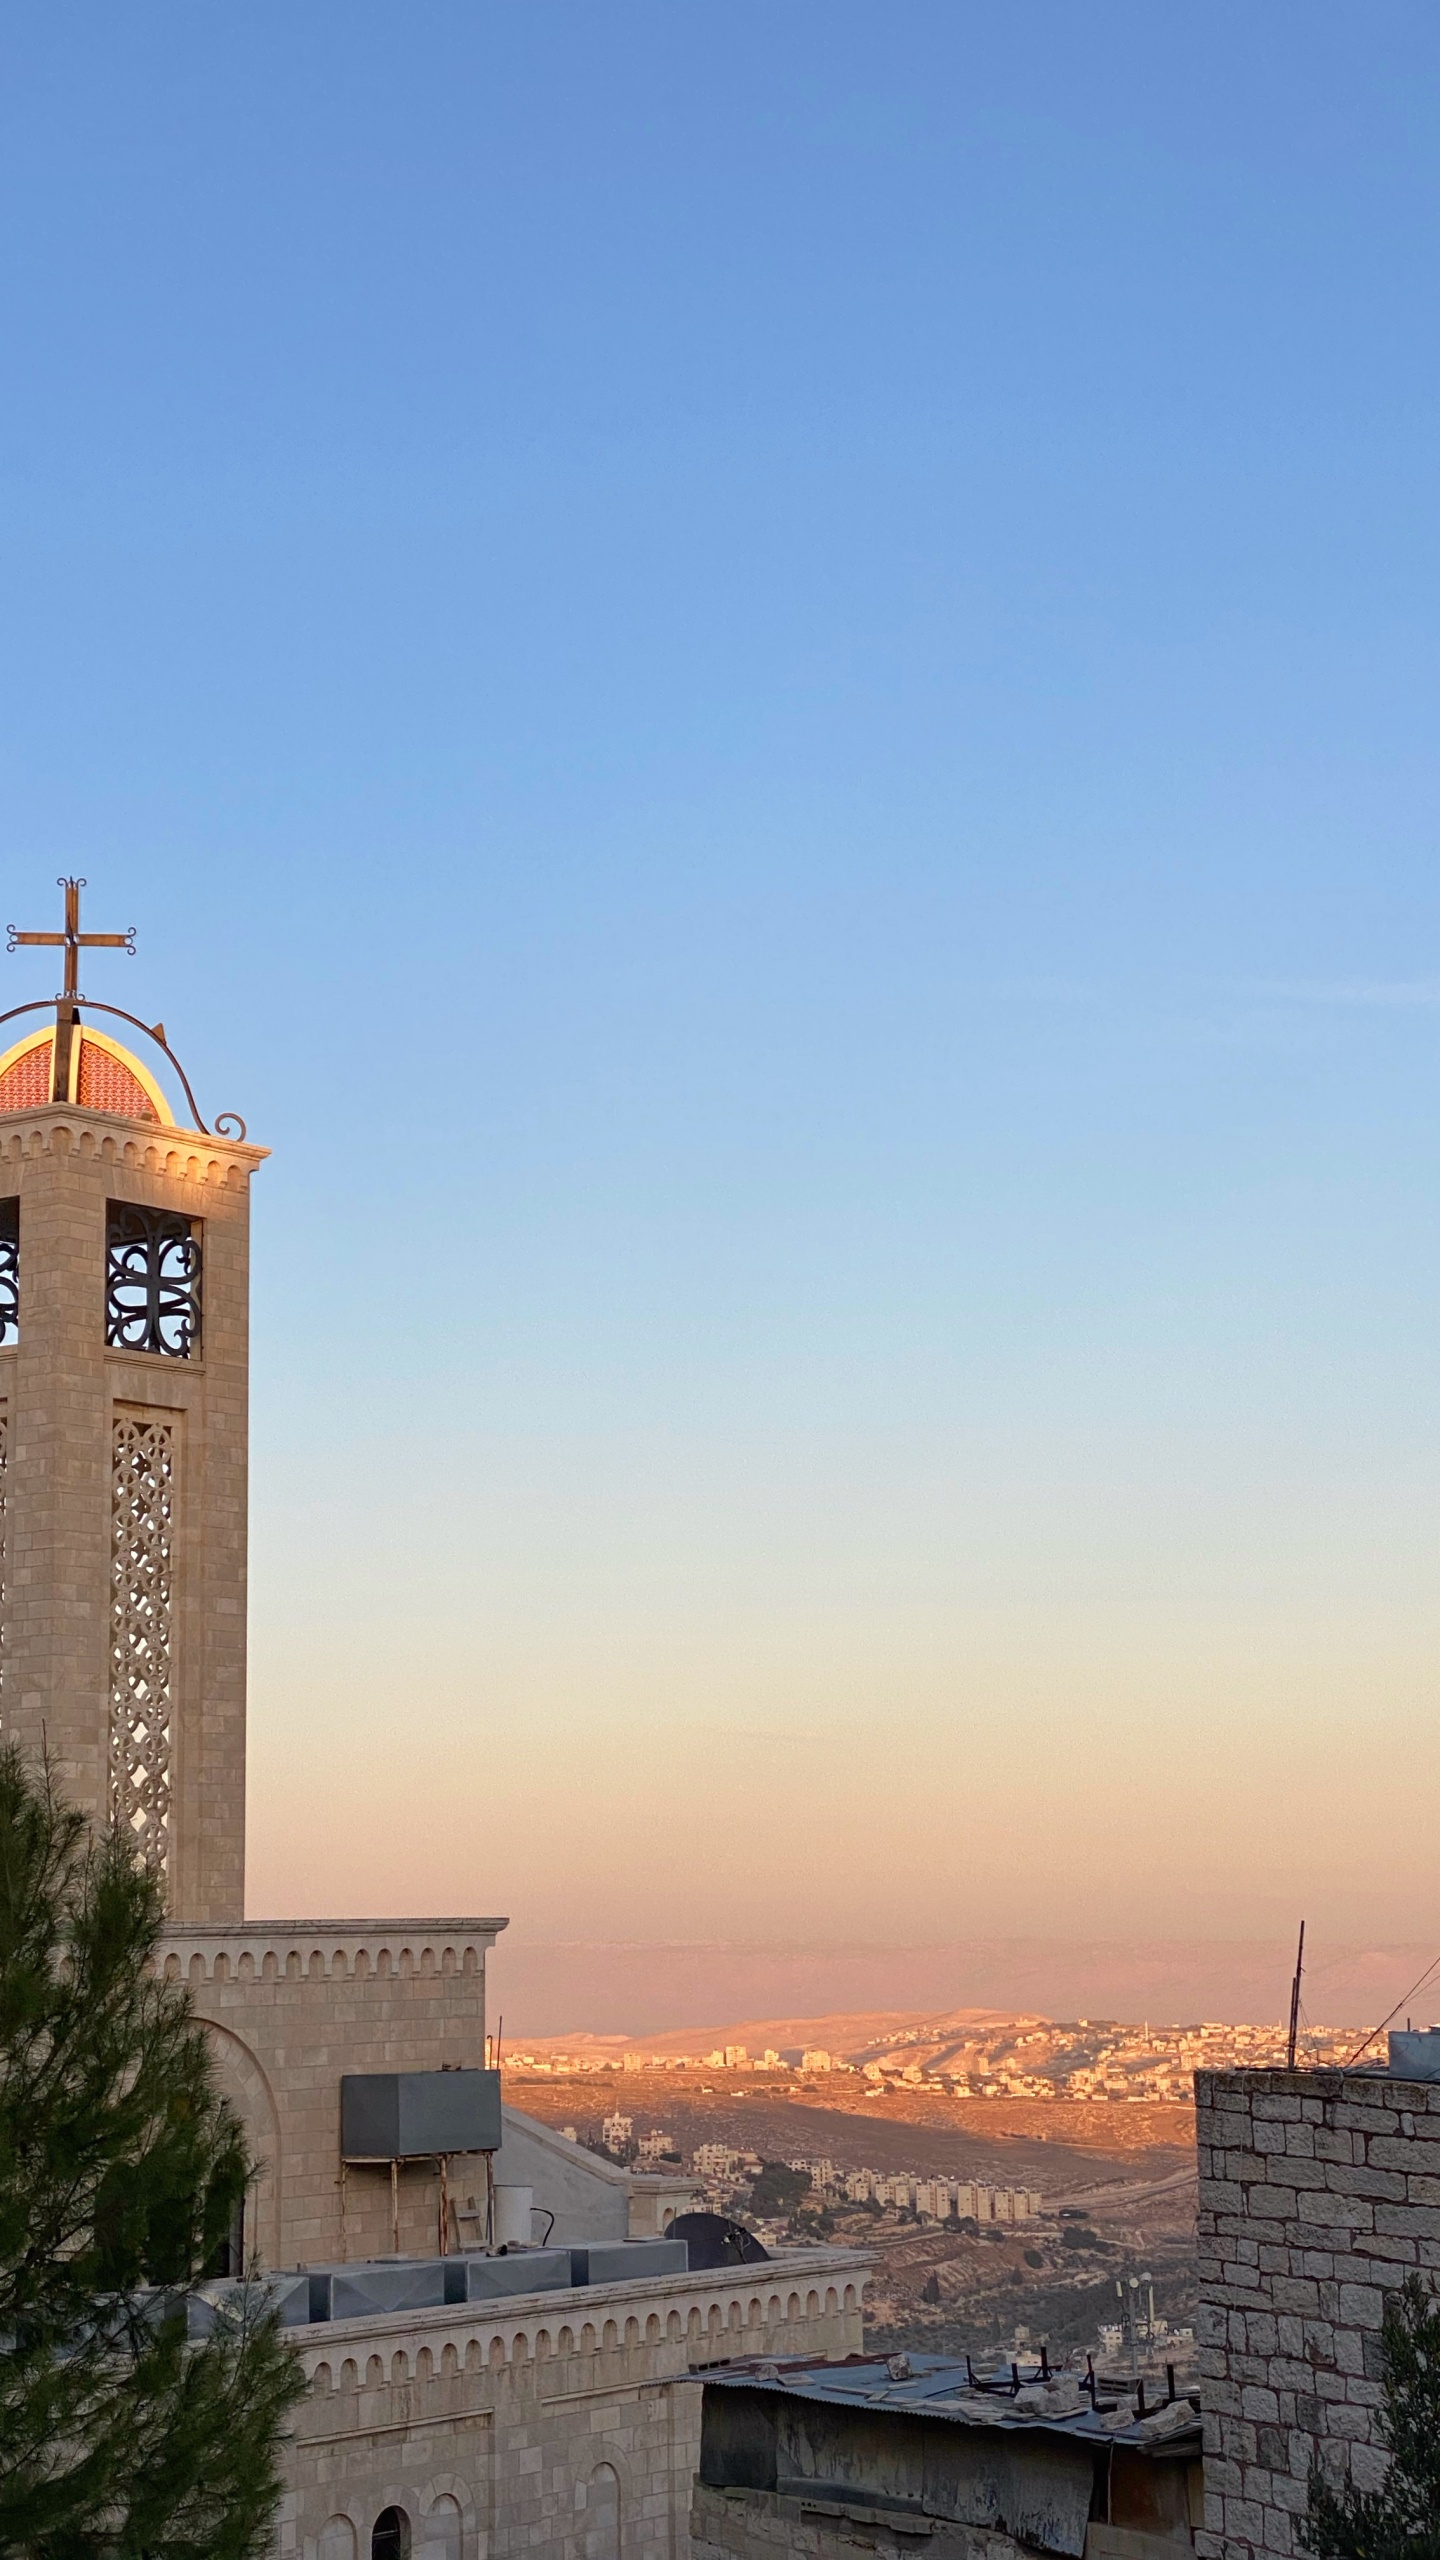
x=9, y=1270
x=152, y=1281
x=142, y=1504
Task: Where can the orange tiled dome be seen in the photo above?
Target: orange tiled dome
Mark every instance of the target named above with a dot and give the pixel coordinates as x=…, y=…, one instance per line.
x=104, y=1077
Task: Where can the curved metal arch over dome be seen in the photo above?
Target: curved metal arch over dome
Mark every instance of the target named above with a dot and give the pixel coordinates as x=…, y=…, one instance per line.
x=87, y=1067
x=103, y=1077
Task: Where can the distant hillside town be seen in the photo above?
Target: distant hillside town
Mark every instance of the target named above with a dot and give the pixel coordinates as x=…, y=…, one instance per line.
x=728, y=2179
x=1098, y=2059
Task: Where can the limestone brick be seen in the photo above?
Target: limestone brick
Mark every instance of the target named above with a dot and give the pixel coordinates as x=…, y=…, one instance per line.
x=756, y=2524
x=62, y=1388
x=1325, y=2174
x=293, y=2005
x=510, y=2413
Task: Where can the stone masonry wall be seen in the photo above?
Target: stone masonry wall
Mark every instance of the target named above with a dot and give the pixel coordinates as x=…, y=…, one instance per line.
x=1319, y=2193
x=294, y=2004
x=757, y=2524
x=492, y=2427
x=60, y=1390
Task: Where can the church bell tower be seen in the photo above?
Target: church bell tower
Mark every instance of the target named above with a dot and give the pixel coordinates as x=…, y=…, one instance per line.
x=124, y=1287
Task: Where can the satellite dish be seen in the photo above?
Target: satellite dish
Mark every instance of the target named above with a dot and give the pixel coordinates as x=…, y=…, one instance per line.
x=713, y=2240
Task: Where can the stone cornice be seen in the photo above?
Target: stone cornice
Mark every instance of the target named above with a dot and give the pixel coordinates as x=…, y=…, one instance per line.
x=249, y=1950
x=510, y=2326
x=180, y=1155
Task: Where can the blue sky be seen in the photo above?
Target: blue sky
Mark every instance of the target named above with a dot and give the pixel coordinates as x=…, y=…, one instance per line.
x=763, y=680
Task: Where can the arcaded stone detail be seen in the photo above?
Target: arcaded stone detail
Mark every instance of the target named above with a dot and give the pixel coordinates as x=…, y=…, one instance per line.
x=520, y=2416
x=142, y=1518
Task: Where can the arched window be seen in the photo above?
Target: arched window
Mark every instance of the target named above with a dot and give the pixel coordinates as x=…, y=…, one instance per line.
x=337, y=2539
x=602, y=2514
x=391, y=2537
x=440, y=2531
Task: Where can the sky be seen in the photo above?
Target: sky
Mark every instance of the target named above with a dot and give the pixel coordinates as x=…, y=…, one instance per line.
x=763, y=679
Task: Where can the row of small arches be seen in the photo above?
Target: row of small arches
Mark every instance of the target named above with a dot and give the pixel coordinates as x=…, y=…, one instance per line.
x=294, y=1967
x=605, y=2339
x=177, y=1165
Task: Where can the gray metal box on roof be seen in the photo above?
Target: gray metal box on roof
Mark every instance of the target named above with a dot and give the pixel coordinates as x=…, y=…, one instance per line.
x=621, y=2261
x=373, y=2284
x=418, y=2115
x=292, y=2297
x=519, y=2271
x=1415, y=2054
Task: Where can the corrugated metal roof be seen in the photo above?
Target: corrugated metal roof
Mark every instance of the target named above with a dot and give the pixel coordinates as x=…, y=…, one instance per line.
x=942, y=2387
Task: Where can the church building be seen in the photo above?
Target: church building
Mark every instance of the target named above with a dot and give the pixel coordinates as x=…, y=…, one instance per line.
x=467, y=2424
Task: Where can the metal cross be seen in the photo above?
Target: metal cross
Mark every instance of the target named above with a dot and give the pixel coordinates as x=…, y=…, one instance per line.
x=72, y=941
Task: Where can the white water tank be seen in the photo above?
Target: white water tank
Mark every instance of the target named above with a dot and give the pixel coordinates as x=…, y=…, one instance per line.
x=1415, y=2055
x=513, y=2209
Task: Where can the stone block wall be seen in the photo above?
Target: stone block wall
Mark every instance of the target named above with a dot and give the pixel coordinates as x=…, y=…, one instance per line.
x=61, y=1391
x=762, y=2524
x=518, y=2428
x=759, y=2524
x=1319, y=2194
x=294, y=2004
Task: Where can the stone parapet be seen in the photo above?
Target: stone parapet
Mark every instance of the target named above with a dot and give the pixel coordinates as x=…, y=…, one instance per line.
x=333, y=1950
x=176, y=1155
x=1319, y=2194
x=508, y=2421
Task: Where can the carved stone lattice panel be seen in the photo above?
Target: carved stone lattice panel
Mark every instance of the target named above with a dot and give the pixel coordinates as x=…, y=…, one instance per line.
x=141, y=1576
x=152, y=1281
x=9, y=1270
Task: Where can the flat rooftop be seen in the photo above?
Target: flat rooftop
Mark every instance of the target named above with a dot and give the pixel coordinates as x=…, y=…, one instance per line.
x=947, y=2387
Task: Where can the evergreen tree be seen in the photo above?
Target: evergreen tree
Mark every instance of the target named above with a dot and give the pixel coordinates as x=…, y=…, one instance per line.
x=1401, y=2519
x=779, y=2189
x=121, y=2170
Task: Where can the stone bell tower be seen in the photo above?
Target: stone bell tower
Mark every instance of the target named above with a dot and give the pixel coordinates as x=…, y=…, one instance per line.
x=124, y=1281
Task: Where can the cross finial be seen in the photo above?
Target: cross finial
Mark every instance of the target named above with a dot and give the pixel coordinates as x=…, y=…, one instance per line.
x=73, y=942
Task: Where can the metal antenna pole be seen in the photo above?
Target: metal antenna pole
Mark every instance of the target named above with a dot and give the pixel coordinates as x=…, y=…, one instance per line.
x=1295, y=2001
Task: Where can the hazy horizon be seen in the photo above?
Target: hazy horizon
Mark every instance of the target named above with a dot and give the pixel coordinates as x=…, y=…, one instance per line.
x=619, y=1990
